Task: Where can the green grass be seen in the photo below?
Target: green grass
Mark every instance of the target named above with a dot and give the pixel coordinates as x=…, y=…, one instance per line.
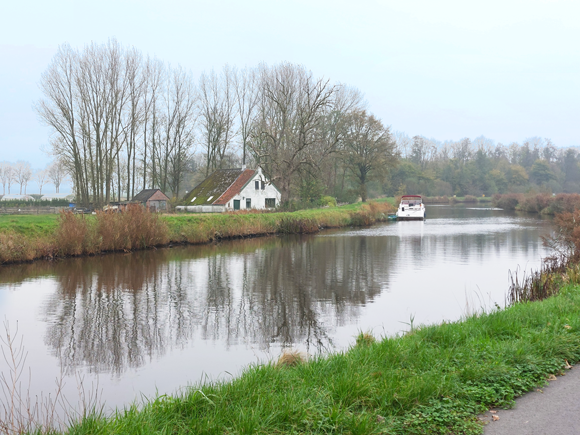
x=433, y=380
x=32, y=225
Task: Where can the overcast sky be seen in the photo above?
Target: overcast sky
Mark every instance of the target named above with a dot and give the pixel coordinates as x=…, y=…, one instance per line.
x=506, y=69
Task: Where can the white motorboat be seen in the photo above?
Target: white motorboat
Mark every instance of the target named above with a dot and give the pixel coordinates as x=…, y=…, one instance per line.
x=411, y=208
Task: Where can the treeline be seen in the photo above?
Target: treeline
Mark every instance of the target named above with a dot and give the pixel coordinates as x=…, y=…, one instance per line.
x=123, y=121
x=21, y=173
x=482, y=167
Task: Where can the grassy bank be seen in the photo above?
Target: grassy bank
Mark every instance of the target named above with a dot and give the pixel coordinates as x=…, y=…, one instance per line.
x=433, y=380
x=26, y=238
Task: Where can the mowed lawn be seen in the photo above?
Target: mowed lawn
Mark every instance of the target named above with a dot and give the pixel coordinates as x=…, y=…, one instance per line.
x=29, y=225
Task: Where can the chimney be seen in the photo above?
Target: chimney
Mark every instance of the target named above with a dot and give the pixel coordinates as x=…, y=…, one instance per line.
x=243, y=167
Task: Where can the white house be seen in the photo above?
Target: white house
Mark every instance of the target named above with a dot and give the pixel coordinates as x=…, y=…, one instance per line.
x=232, y=189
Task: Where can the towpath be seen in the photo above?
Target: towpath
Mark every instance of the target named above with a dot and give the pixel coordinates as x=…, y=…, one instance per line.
x=550, y=410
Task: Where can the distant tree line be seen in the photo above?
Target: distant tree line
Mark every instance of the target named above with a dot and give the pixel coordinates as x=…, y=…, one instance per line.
x=122, y=122
x=482, y=167
x=21, y=173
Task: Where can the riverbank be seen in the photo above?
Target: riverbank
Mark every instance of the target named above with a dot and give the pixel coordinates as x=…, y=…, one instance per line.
x=28, y=238
x=543, y=203
x=434, y=379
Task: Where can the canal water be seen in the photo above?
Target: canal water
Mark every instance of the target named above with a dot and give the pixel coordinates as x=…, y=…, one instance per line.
x=136, y=325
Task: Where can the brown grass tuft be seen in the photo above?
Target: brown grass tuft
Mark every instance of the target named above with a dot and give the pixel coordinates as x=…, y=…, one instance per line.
x=291, y=358
x=365, y=339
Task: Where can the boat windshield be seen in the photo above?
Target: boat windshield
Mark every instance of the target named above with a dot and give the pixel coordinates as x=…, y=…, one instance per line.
x=411, y=201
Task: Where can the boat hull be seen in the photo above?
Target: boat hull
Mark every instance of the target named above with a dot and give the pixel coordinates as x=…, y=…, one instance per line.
x=411, y=216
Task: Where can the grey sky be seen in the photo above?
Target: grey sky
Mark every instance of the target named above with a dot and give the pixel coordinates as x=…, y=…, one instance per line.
x=443, y=69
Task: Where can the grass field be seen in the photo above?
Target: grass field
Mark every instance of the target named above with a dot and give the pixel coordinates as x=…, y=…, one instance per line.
x=32, y=225
x=433, y=380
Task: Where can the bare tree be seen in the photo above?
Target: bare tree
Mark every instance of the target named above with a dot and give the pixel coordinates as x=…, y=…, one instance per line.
x=291, y=108
x=41, y=177
x=5, y=176
x=217, y=111
x=404, y=143
x=153, y=81
x=247, y=99
x=57, y=174
x=177, y=129
x=22, y=174
x=368, y=151
x=59, y=110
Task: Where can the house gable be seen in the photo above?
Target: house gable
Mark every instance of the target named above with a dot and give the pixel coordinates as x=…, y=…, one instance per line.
x=259, y=176
x=236, y=187
x=150, y=194
x=213, y=187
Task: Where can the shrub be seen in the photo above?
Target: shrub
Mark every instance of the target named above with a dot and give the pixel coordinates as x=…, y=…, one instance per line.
x=328, y=201
x=509, y=201
x=536, y=203
x=564, y=202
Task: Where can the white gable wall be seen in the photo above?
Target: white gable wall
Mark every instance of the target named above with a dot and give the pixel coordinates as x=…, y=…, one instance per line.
x=257, y=197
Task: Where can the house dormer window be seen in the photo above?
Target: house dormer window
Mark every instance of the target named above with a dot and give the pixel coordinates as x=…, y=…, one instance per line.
x=257, y=184
x=263, y=185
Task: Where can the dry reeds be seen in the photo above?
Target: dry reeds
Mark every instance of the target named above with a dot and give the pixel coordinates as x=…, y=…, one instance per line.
x=135, y=228
x=371, y=213
x=297, y=225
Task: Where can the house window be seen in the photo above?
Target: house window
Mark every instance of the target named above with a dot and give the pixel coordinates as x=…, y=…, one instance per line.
x=270, y=202
x=248, y=203
x=257, y=184
x=263, y=185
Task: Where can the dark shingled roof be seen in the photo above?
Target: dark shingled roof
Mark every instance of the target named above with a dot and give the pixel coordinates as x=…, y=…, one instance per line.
x=144, y=195
x=236, y=187
x=214, y=186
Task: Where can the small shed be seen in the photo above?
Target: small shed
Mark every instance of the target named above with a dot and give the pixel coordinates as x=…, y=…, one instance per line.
x=152, y=199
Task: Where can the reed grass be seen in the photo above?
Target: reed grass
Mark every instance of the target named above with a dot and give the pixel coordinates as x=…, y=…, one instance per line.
x=433, y=380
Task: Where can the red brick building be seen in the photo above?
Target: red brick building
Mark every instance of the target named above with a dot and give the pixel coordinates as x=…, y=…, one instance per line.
x=152, y=199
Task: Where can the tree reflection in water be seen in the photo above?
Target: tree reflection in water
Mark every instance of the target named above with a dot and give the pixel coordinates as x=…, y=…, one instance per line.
x=116, y=312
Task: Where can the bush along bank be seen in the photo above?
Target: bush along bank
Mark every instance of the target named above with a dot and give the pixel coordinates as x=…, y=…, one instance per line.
x=431, y=380
x=136, y=228
x=544, y=203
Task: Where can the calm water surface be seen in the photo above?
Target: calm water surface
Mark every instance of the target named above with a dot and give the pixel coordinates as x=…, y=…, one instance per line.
x=152, y=322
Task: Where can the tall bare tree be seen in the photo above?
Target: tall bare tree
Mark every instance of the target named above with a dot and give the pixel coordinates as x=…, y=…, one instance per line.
x=291, y=108
x=247, y=99
x=217, y=111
